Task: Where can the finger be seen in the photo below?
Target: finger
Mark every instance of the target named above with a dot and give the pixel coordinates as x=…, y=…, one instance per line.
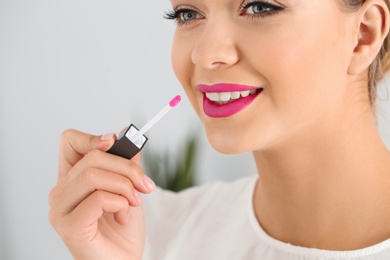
x=137, y=158
x=121, y=217
x=75, y=144
x=86, y=214
x=91, y=180
x=112, y=163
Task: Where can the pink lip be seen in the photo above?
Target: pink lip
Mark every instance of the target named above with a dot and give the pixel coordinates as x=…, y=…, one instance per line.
x=222, y=87
x=215, y=110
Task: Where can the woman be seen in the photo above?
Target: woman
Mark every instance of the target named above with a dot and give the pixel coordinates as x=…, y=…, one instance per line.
x=293, y=81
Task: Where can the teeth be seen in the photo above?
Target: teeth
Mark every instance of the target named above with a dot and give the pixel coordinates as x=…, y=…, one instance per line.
x=235, y=95
x=213, y=96
x=245, y=93
x=226, y=96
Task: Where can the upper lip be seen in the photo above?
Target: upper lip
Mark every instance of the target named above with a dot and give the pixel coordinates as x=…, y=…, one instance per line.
x=224, y=87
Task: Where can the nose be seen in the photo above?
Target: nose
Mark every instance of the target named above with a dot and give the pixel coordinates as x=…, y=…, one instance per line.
x=215, y=48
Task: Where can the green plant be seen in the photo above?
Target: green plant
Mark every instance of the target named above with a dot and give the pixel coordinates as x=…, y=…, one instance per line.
x=170, y=171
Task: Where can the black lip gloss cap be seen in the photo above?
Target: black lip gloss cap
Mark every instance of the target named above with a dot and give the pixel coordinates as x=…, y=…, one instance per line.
x=126, y=147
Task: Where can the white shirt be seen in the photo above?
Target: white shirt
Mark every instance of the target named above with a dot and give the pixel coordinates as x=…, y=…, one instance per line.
x=217, y=221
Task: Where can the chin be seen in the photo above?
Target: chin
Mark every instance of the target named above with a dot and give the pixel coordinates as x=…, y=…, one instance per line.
x=228, y=144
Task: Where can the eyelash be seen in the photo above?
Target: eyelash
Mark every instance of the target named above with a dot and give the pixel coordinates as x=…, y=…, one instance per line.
x=270, y=10
x=175, y=15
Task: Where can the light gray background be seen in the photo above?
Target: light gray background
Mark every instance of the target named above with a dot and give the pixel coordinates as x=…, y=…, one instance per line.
x=95, y=66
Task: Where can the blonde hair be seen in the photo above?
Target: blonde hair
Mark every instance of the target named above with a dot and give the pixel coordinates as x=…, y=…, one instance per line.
x=381, y=64
x=379, y=67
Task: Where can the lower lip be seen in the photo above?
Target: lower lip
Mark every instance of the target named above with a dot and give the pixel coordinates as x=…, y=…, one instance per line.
x=212, y=109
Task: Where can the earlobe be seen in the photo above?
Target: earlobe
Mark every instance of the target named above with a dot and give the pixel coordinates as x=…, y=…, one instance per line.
x=373, y=21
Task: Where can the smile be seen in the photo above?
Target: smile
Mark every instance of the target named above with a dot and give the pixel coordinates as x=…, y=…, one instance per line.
x=226, y=97
x=224, y=100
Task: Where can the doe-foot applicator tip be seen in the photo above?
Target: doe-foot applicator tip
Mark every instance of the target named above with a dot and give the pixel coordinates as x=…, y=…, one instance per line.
x=176, y=100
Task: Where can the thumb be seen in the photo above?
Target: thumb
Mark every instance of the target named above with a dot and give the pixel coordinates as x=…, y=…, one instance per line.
x=75, y=144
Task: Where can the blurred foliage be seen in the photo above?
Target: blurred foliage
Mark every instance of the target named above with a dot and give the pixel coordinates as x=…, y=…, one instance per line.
x=170, y=170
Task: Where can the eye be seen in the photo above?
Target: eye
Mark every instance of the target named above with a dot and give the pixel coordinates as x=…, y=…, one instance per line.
x=188, y=15
x=260, y=8
x=183, y=16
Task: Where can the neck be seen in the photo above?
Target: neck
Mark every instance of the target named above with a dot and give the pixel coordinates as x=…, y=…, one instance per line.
x=327, y=190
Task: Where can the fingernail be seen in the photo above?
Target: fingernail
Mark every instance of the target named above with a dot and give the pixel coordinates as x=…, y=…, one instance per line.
x=149, y=183
x=138, y=197
x=107, y=137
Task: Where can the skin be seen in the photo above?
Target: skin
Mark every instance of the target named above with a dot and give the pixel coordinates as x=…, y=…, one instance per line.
x=95, y=206
x=323, y=168
x=322, y=165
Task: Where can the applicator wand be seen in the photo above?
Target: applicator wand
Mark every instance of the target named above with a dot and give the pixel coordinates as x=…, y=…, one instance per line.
x=131, y=140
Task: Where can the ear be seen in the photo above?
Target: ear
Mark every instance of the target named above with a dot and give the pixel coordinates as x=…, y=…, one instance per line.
x=373, y=27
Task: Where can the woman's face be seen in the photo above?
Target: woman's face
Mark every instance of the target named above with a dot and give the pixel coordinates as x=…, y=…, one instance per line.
x=291, y=56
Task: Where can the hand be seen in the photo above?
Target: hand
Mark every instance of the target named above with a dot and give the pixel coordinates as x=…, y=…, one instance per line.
x=96, y=206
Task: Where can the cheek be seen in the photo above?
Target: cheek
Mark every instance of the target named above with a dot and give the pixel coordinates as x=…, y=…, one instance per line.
x=300, y=66
x=181, y=56
x=183, y=67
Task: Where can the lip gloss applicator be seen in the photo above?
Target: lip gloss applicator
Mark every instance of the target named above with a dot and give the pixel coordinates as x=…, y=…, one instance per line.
x=131, y=140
